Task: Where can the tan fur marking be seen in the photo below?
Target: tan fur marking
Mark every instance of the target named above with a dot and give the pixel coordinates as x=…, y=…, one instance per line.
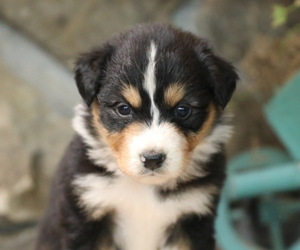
x=96, y=121
x=122, y=149
x=174, y=94
x=118, y=141
x=113, y=140
x=186, y=148
x=195, y=139
x=183, y=244
x=106, y=244
x=132, y=95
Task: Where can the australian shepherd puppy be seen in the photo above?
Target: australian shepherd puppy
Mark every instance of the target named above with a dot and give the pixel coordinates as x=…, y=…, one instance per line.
x=145, y=168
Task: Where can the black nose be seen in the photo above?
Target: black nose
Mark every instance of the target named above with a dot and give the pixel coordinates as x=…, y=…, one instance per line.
x=153, y=160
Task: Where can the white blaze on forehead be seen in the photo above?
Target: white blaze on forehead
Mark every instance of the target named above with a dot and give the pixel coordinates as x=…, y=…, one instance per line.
x=150, y=81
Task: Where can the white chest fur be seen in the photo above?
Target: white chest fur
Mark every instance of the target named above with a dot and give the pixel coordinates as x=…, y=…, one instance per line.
x=141, y=216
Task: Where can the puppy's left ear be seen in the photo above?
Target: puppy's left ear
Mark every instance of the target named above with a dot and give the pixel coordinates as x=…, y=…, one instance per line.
x=89, y=72
x=224, y=80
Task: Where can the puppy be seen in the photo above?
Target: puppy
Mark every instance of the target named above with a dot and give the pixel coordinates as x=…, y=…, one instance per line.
x=145, y=168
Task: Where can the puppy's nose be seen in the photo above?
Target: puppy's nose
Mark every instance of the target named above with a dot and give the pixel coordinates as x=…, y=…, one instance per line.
x=153, y=160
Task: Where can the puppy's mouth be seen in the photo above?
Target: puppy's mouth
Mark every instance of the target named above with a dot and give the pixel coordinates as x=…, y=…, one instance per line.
x=152, y=172
x=152, y=177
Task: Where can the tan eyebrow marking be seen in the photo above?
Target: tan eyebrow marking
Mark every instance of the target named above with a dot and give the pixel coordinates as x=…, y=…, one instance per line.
x=174, y=94
x=131, y=94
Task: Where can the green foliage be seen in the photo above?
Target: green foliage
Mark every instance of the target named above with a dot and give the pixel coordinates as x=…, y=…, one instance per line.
x=280, y=13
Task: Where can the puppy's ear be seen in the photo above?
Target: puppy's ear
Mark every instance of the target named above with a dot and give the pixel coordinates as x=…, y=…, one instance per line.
x=224, y=80
x=89, y=72
x=222, y=73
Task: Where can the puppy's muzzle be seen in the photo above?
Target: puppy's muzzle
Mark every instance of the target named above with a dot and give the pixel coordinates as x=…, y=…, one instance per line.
x=152, y=160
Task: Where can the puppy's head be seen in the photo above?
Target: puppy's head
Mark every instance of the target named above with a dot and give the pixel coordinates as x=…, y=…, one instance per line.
x=155, y=93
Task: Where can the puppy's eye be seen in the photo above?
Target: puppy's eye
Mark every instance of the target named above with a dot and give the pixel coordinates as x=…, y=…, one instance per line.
x=183, y=112
x=123, y=110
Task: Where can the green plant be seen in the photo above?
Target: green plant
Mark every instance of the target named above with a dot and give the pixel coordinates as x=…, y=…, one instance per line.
x=281, y=12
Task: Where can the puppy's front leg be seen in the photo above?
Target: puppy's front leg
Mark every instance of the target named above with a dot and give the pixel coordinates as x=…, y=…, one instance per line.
x=82, y=234
x=192, y=232
x=66, y=227
x=200, y=231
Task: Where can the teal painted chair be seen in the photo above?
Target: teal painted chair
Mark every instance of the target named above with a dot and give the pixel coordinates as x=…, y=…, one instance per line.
x=264, y=173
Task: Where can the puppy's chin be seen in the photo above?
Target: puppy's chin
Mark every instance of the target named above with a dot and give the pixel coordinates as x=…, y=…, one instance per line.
x=152, y=179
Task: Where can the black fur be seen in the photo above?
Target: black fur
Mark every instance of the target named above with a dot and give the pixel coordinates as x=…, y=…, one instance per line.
x=181, y=57
x=89, y=72
x=64, y=225
x=198, y=230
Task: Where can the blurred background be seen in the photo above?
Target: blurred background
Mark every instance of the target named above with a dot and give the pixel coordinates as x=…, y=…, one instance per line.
x=39, y=42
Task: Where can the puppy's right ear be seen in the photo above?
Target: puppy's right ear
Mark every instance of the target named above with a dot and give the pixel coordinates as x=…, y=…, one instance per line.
x=89, y=72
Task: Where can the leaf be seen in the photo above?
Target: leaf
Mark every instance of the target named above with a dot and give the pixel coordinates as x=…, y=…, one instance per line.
x=280, y=14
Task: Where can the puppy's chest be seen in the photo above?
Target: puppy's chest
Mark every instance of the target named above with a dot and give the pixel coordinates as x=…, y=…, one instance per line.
x=141, y=217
